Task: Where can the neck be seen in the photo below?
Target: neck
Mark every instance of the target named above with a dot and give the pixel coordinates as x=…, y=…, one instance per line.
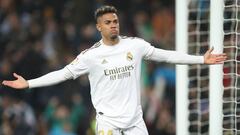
x=110, y=42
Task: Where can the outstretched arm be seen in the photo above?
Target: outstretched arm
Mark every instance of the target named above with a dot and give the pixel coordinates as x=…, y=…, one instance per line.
x=19, y=83
x=183, y=58
x=45, y=80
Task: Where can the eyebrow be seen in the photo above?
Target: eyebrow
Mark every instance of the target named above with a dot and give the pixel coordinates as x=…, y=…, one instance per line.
x=107, y=21
x=110, y=20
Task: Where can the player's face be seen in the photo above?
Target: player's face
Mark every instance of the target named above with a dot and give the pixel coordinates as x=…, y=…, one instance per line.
x=108, y=25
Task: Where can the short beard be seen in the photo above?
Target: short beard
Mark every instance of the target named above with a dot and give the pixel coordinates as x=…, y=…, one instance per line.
x=113, y=37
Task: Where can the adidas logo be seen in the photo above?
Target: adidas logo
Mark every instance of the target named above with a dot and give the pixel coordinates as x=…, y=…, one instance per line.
x=104, y=61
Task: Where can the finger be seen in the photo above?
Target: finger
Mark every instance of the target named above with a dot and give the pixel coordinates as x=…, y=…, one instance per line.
x=219, y=63
x=221, y=55
x=16, y=75
x=220, y=60
x=3, y=82
x=211, y=49
x=224, y=54
x=6, y=83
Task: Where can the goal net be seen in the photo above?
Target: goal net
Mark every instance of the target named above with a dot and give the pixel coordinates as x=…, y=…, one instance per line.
x=211, y=96
x=198, y=43
x=231, y=68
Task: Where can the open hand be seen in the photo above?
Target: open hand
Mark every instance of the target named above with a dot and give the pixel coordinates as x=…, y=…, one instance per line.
x=19, y=83
x=210, y=58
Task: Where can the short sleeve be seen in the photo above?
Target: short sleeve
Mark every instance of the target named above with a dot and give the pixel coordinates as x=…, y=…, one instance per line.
x=78, y=66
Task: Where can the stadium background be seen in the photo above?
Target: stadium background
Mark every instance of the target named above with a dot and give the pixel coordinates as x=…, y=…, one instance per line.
x=39, y=36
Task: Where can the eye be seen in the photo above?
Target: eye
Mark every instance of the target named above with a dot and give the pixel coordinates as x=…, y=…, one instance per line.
x=115, y=21
x=107, y=22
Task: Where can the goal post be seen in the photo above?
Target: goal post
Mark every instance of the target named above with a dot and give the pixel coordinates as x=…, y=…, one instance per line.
x=181, y=70
x=216, y=71
x=214, y=87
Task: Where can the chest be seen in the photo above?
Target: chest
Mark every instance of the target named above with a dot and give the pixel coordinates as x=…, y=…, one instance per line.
x=118, y=67
x=117, y=59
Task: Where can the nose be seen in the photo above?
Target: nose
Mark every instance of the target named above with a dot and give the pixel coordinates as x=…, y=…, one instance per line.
x=113, y=25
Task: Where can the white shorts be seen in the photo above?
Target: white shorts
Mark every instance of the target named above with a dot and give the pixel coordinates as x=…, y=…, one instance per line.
x=104, y=129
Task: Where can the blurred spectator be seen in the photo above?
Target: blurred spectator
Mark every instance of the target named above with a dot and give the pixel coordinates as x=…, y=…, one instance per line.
x=18, y=117
x=64, y=119
x=38, y=36
x=142, y=25
x=163, y=28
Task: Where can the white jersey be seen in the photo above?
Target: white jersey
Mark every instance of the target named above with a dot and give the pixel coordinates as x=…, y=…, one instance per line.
x=114, y=75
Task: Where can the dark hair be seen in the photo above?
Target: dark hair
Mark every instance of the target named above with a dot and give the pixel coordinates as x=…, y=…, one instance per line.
x=103, y=10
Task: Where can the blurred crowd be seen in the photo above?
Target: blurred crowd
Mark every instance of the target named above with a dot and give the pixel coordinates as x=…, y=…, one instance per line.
x=39, y=36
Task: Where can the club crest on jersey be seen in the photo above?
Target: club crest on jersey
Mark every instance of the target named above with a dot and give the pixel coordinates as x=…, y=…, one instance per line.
x=129, y=56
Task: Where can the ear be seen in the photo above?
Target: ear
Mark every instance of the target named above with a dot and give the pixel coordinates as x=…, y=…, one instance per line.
x=98, y=27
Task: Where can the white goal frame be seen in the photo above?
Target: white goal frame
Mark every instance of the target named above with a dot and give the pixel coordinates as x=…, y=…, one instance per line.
x=215, y=72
